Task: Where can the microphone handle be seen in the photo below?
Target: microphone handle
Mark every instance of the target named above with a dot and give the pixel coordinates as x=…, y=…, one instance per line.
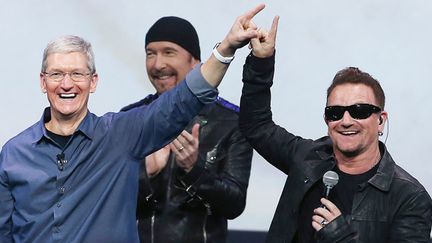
x=327, y=192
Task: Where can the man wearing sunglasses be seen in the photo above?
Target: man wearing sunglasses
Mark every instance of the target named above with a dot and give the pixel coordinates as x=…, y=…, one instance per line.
x=375, y=199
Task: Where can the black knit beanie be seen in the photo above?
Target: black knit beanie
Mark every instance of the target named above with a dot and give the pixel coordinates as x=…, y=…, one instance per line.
x=176, y=30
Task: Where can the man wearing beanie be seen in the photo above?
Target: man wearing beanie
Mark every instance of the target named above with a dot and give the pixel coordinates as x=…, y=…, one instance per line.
x=199, y=180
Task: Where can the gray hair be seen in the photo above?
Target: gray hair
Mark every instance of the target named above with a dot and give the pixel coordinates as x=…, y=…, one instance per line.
x=68, y=44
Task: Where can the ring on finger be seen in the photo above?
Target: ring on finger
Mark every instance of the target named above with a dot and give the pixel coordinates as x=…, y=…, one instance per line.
x=180, y=149
x=324, y=222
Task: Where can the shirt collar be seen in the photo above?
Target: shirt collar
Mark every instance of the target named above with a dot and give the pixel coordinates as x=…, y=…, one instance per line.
x=85, y=127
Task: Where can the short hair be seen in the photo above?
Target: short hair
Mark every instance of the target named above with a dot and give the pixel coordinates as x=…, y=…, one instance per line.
x=353, y=75
x=68, y=44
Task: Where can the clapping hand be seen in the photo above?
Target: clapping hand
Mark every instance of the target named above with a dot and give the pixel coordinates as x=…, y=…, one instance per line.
x=185, y=147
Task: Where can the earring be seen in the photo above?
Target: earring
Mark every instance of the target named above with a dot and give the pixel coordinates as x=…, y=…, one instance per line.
x=380, y=133
x=44, y=91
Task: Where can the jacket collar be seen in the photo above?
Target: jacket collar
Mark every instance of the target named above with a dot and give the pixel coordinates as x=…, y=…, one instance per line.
x=384, y=176
x=321, y=160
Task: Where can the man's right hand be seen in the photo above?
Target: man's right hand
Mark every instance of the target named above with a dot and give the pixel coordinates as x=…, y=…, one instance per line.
x=156, y=161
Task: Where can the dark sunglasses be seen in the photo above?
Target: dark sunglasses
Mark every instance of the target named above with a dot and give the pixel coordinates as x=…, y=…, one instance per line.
x=357, y=111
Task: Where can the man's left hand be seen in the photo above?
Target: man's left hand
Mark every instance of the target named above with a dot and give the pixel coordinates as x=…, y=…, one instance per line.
x=264, y=45
x=185, y=147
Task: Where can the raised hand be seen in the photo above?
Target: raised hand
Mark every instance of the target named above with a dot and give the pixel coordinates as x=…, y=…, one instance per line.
x=242, y=31
x=264, y=45
x=244, y=28
x=185, y=147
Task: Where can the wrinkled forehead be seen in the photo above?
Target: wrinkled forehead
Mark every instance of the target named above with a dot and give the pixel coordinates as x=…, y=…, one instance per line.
x=67, y=60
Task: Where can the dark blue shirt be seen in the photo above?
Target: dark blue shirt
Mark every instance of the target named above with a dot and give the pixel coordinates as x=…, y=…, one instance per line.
x=92, y=195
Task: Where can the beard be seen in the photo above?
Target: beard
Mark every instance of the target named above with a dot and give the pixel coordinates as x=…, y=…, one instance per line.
x=156, y=74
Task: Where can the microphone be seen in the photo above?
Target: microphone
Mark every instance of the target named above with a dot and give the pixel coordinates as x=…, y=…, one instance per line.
x=330, y=179
x=61, y=161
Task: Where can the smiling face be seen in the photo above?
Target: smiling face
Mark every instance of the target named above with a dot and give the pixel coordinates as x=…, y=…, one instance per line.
x=68, y=98
x=167, y=64
x=352, y=137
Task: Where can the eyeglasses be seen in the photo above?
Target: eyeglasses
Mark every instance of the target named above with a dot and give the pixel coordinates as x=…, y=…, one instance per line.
x=356, y=111
x=59, y=76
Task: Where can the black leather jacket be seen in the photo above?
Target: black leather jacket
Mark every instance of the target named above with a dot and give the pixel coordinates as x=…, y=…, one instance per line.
x=391, y=207
x=194, y=207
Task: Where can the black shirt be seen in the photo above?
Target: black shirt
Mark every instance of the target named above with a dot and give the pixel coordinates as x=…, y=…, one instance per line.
x=341, y=195
x=59, y=139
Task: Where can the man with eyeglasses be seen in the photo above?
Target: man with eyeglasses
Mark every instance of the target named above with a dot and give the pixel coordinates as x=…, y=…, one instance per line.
x=73, y=176
x=374, y=200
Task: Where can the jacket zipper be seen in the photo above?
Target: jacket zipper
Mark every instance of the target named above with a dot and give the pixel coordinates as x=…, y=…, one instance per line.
x=208, y=212
x=152, y=227
x=204, y=228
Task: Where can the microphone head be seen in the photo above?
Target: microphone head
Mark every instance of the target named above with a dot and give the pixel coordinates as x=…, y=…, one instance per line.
x=330, y=179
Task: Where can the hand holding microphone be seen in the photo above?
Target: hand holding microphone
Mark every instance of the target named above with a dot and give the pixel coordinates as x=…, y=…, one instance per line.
x=328, y=210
